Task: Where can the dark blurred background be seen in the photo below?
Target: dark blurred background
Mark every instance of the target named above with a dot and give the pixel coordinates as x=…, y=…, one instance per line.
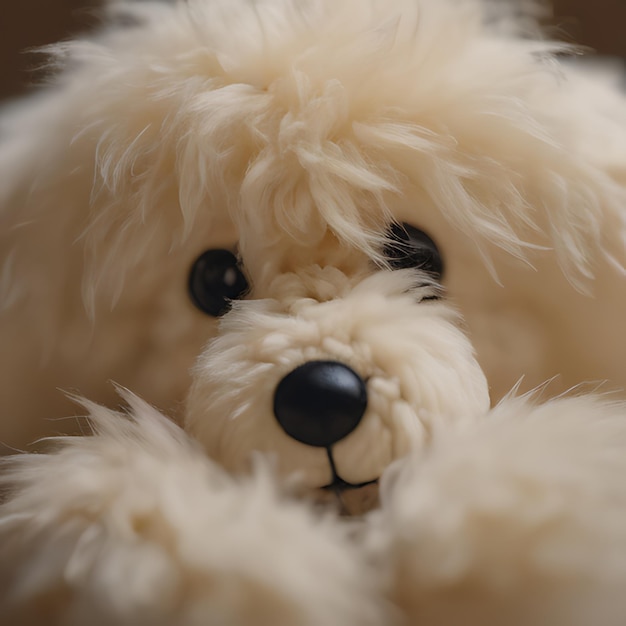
x=600, y=24
x=27, y=24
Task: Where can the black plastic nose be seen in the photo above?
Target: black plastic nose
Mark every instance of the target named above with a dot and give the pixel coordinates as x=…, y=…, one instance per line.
x=320, y=402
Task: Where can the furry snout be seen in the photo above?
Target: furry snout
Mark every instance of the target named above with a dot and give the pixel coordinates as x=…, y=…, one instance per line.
x=335, y=390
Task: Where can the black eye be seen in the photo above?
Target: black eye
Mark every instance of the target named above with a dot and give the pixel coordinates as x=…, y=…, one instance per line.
x=215, y=280
x=409, y=247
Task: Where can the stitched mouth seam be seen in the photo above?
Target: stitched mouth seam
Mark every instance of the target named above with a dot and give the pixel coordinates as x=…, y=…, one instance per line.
x=338, y=484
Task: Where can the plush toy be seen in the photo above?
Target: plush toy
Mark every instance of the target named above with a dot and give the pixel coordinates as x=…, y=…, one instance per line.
x=292, y=135
x=264, y=219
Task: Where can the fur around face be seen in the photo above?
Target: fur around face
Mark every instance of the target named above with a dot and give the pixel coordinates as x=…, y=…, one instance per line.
x=151, y=532
x=411, y=360
x=518, y=518
x=296, y=132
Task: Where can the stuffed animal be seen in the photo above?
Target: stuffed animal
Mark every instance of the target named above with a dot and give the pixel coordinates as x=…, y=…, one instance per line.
x=292, y=135
x=264, y=219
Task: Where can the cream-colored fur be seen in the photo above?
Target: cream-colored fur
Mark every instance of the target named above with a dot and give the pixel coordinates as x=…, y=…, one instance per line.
x=297, y=131
x=411, y=360
x=518, y=518
x=294, y=133
x=145, y=530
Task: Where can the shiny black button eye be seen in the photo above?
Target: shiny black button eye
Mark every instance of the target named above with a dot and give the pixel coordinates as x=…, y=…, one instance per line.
x=215, y=280
x=409, y=247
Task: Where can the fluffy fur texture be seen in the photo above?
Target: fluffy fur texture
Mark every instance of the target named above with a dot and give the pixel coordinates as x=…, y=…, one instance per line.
x=411, y=360
x=298, y=131
x=145, y=530
x=517, y=518
x=295, y=133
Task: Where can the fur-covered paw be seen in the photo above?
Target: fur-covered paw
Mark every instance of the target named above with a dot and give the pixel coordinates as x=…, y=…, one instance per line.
x=134, y=525
x=519, y=521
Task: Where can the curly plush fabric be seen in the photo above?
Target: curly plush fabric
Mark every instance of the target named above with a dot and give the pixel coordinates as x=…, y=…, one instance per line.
x=519, y=518
x=296, y=132
x=302, y=140
x=134, y=525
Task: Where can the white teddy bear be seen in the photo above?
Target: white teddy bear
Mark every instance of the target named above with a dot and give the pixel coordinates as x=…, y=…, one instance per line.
x=262, y=217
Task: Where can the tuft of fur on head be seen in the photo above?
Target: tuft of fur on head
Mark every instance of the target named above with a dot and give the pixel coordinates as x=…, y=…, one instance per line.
x=135, y=526
x=303, y=116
